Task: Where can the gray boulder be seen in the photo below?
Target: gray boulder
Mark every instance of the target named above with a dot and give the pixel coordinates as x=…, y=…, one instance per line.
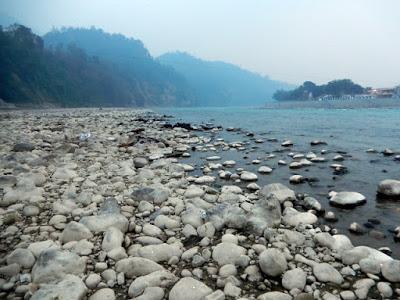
x=347, y=199
x=227, y=253
x=294, y=279
x=280, y=191
x=189, y=288
x=137, y=266
x=389, y=188
x=161, y=278
x=54, y=265
x=272, y=262
x=75, y=231
x=391, y=270
x=326, y=273
x=160, y=252
x=22, y=257
x=266, y=212
x=71, y=288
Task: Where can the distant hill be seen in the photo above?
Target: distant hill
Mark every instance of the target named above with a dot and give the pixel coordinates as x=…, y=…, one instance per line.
x=216, y=83
x=66, y=75
x=161, y=84
x=310, y=91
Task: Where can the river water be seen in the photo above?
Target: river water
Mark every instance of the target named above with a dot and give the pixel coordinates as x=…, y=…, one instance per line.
x=352, y=131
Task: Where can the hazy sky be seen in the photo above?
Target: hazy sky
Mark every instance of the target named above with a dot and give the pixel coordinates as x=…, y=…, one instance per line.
x=289, y=40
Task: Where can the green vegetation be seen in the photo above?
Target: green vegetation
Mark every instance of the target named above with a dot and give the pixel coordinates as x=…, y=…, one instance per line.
x=311, y=91
x=65, y=75
x=74, y=67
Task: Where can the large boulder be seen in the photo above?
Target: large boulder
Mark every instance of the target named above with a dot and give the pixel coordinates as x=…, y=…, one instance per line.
x=347, y=199
x=189, y=288
x=266, y=212
x=54, y=265
x=274, y=296
x=391, y=270
x=272, y=262
x=280, y=191
x=71, y=288
x=389, y=188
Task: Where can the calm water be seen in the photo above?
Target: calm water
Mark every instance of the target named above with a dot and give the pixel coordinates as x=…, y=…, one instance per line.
x=352, y=131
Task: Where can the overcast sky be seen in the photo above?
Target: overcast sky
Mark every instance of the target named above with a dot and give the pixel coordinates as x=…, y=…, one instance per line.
x=288, y=40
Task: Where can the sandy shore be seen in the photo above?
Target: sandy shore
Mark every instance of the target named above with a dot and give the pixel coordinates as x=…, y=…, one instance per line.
x=96, y=205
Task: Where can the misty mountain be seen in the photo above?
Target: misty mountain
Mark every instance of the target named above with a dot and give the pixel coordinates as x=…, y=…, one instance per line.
x=216, y=83
x=163, y=85
x=31, y=74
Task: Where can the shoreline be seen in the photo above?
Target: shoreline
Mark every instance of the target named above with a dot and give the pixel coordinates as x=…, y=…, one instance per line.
x=63, y=191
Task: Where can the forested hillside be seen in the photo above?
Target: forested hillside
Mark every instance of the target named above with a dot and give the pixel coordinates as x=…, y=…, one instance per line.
x=66, y=75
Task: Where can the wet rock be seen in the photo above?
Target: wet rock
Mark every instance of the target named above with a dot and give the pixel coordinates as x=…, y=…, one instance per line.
x=281, y=192
x=292, y=217
x=264, y=170
x=189, y=288
x=248, y=176
x=389, y=188
x=272, y=262
x=347, y=199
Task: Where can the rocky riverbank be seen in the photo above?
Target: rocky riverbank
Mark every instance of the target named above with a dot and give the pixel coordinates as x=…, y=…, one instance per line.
x=97, y=204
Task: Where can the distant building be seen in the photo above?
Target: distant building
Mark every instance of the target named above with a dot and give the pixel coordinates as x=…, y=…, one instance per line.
x=383, y=92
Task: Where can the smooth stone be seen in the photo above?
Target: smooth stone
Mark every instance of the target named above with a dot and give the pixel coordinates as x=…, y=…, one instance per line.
x=103, y=294
x=22, y=257
x=294, y=279
x=274, y=296
x=248, y=176
x=55, y=265
x=227, y=253
x=391, y=270
x=161, y=278
x=292, y=217
x=71, y=288
x=75, y=231
x=347, y=199
x=272, y=262
x=189, y=288
x=160, y=252
x=389, y=188
x=152, y=293
x=281, y=192
x=324, y=272
x=137, y=266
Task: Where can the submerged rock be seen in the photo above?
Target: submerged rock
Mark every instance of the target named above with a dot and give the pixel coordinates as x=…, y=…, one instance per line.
x=347, y=199
x=389, y=188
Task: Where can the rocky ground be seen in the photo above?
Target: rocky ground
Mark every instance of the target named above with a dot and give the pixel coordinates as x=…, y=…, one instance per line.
x=95, y=204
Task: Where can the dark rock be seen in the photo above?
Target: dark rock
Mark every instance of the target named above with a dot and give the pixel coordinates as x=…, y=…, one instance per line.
x=23, y=147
